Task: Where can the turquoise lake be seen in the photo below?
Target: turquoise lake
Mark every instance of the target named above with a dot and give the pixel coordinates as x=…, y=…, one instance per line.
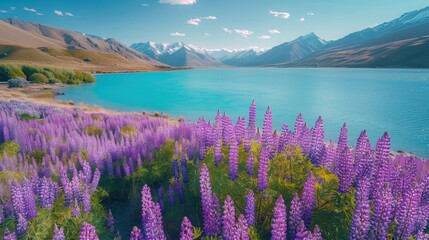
x=396, y=100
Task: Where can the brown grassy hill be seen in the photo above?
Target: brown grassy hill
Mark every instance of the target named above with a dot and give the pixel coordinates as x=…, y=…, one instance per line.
x=33, y=43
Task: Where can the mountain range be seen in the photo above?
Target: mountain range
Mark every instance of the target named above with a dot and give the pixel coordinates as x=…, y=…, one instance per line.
x=400, y=43
x=33, y=43
x=403, y=42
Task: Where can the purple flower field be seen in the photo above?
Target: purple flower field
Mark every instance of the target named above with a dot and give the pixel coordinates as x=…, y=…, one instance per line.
x=60, y=169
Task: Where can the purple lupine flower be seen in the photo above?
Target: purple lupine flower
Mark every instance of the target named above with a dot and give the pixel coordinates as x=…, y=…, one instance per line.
x=252, y=119
x=136, y=234
x=242, y=228
x=184, y=170
x=17, y=199
x=263, y=170
x=8, y=235
x=279, y=225
x=299, y=130
x=295, y=215
x=29, y=199
x=146, y=203
x=186, y=232
x=86, y=201
x=342, y=139
x=250, y=208
x=317, y=141
x=21, y=225
x=317, y=235
x=382, y=163
x=345, y=169
x=110, y=221
x=176, y=173
x=284, y=138
x=76, y=209
x=240, y=130
x=154, y=228
x=363, y=159
x=422, y=236
x=308, y=199
x=58, y=233
x=233, y=161
x=302, y=233
x=249, y=163
x=218, y=152
x=95, y=180
x=361, y=216
x=267, y=131
x=228, y=219
x=382, y=212
x=161, y=198
x=407, y=211
x=207, y=202
x=328, y=159
x=88, y=232
x=217, y=214
x=118, y=171
x=76, y=188
x=171, y=195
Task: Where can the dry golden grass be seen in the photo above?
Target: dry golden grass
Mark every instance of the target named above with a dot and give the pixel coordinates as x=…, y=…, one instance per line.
x=47, y=94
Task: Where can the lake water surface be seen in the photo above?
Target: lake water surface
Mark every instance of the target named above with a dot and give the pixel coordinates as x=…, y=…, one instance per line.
x=396, y=100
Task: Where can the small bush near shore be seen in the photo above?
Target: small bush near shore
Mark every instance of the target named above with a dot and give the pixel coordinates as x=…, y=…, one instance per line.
x=18, y=83
x=51, y=75
x=38, y=78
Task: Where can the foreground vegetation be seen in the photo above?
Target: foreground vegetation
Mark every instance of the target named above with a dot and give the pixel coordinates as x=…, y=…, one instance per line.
x=42, y=75
x=66, y=174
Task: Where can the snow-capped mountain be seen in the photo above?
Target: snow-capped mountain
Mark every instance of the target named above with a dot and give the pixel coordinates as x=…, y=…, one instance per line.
x=236, y=57
x=402, y=42
x=290, y=51
x=177, y=54
x=406, y=21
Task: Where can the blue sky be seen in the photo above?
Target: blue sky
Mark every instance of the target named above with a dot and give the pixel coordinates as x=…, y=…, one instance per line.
x=210, y=23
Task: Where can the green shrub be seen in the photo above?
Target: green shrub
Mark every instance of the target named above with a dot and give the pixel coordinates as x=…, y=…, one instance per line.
x=9, y=148
x=38, y=78
x=18, y=83
x=30, y=70
x=10, y=71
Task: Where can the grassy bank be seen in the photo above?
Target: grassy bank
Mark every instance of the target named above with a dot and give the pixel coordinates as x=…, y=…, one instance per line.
x=41, y=75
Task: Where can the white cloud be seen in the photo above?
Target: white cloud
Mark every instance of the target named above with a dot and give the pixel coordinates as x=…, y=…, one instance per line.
x=274, y=31
x=243, y=32
x=178, y=2
x=194, y=21
x=206, y=34
x=177, y=34
x=210, y=17
x=12, y=8
x=197, y=21
x=284, y=15
x=310, y=13
x=145, y=4
x=40, y=14
x=302, y=19
x=59, y=13
x=3, y=11
x=264, y=37
x=227, y=30
x=30, y=9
